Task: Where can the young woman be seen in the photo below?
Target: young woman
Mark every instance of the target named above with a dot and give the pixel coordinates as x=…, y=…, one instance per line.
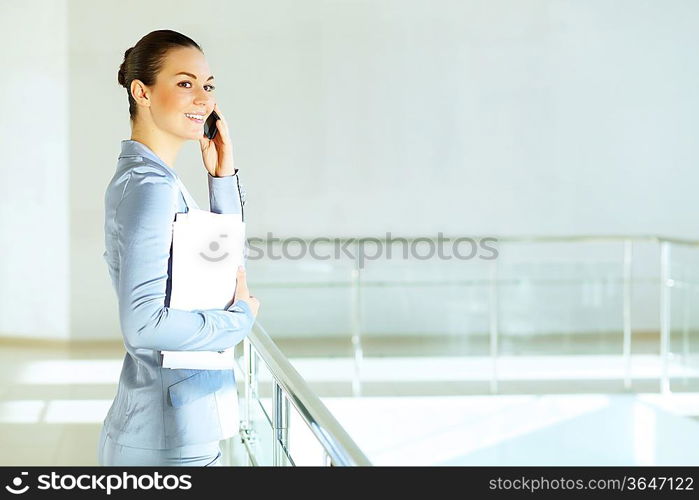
x=162, y=416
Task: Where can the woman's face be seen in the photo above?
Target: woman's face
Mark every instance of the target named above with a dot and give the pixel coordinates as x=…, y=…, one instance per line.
x=176, y=94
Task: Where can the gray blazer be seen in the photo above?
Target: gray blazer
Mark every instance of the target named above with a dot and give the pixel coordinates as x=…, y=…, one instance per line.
x=159, y=407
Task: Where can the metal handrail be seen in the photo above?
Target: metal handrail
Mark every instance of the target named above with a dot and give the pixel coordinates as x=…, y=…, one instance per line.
x=338, y=445
x=520, y=238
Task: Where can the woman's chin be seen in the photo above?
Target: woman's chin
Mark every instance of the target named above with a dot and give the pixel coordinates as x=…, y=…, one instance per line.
x=191, y=135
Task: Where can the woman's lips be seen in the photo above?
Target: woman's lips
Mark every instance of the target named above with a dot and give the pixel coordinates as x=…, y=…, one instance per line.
x=194, y=120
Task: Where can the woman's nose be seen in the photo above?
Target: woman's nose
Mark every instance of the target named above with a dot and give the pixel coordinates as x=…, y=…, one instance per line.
x=204, y=97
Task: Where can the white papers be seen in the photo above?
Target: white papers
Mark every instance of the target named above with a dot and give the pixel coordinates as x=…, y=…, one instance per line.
x=228, y=414
x=206, y=250
x=199, y=360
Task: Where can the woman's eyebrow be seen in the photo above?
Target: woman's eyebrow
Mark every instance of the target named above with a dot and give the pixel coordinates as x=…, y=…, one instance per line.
x=193, y=76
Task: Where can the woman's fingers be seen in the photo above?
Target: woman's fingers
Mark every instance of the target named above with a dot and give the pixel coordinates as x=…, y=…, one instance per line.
x=220, y=114
x=221, y=123
x=242, y=292
x=254, y=306
x=223, y=130
x=242, y=284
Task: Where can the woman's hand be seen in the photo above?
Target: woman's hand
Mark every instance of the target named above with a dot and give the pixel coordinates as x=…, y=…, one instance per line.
x=242, y=292
x=218, y=153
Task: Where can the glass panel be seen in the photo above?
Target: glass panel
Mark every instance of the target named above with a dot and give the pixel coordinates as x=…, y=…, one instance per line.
x=413, y=333
x=305, y=298
x=261, y=447
x=560, y=309
x=261, y=415
x=265, y=386
x=304, y=448
x=683, y=293
x=284, y=458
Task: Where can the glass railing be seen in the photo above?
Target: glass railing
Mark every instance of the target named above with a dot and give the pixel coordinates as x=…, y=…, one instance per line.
x=283, y=422
x=679, y=327
x=549, y=315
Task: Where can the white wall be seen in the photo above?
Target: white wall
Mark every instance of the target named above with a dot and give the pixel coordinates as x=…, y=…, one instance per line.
x=361, y=117
x=34, y=234
x=506, y=117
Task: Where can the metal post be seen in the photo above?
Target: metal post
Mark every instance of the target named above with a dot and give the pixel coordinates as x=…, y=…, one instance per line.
x=247, y=431
x=665, y=284
x=247, y=365
x=356, y=329
x=280, y=417
x=628, y=253
x=494, y=305
x=686, y=313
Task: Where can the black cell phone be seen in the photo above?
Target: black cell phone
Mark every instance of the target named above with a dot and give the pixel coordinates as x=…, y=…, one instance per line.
x=210, y=129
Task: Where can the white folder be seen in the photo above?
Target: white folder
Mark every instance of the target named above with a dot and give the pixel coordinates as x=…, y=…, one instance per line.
x=207, y=249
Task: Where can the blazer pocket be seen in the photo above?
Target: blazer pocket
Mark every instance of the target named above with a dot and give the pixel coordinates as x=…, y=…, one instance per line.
x=198, y=385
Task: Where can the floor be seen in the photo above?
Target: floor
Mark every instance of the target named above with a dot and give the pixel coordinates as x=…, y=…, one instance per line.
x=53, y=399
x=524, y=430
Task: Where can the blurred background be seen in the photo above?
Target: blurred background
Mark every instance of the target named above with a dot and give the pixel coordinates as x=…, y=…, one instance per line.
x=564, y=129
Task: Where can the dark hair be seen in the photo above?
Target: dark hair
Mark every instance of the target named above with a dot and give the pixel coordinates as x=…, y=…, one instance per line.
x=144, y=60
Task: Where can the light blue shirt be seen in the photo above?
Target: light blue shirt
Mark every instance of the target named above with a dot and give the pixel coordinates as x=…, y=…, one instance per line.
x=158, y=407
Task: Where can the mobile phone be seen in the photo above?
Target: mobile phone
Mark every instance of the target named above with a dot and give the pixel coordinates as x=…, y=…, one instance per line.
x=210, y=129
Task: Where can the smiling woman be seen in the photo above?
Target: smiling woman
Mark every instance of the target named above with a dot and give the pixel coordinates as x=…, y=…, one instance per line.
x=166, y=108
x=164, y=416
x=160, y=98
x=147, y=60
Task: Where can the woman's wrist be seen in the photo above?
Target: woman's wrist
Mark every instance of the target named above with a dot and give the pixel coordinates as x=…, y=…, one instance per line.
x=225, y=173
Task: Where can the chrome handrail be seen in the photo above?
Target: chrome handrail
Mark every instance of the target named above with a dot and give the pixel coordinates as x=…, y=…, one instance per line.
x=338, y=445
x=520, y=238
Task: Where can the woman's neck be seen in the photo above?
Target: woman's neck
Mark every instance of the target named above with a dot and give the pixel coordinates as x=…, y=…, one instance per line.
x=164, y=145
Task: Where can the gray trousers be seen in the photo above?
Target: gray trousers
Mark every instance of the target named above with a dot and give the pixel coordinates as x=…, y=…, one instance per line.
x=110, y=453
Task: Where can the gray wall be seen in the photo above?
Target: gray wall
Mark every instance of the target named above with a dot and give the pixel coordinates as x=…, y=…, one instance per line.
x=35, y=169
x=351, y=118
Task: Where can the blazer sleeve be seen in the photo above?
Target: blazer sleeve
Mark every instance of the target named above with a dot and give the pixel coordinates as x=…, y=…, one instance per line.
x=144, y=220
x=227, y=196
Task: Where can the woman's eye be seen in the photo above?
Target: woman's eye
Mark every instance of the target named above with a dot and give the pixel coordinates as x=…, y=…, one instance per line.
x=212, y=87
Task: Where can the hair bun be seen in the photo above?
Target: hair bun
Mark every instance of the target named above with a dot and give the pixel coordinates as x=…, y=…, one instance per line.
x=121, y=76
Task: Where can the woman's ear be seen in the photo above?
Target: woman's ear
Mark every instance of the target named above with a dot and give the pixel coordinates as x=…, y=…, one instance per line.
x=140, y=93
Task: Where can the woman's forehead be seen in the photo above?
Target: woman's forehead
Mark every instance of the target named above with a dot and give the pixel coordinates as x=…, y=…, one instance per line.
x=188, y=60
